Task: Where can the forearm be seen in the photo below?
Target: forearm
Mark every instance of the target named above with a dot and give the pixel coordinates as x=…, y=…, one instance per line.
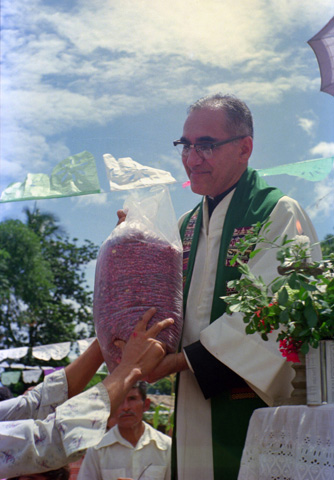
x=39, y=402
x=119, y=383
x=82, y=370
x=29, y=446
x=172, y=363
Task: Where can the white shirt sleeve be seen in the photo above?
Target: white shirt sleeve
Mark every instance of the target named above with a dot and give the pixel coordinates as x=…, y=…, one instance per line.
x=258, y=362
x=39, y=402
x=33, y=446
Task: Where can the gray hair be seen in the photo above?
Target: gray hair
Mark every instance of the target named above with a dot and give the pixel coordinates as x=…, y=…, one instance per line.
x=238, y=116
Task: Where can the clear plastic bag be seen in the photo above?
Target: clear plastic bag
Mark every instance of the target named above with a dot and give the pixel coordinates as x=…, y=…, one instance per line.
x=139, y=266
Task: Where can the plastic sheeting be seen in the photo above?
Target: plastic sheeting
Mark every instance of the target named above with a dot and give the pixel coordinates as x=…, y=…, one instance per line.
x=76, y=175
x=312, y=170
x=13, y=353
x=126, y=174
x=56, y=351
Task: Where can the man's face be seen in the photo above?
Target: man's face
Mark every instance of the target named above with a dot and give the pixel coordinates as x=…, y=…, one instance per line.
x=130, y=412
x=216, y=175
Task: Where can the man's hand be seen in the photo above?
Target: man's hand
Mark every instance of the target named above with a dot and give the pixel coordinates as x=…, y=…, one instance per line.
x=140, y=355
x=121, y=216
x=172, y=363
x=143, y=351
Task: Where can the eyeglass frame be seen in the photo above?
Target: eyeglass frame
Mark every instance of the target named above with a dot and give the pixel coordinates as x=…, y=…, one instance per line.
x=208, y=145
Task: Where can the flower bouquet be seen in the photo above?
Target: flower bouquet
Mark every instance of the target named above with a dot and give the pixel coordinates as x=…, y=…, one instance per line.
x=299, y=303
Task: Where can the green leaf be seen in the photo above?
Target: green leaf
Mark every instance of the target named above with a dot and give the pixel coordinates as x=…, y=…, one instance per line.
x=254, y=252
x=283, y=296
x=304, y=348
x=234, y=307
x=293, y=281
x=244, y=269
x=155, y=419
x=278, y=284
x=308, y=286
x=280, y=255
x=284, y=316
x=311, y=316
x=266, y=226
x=249, y=329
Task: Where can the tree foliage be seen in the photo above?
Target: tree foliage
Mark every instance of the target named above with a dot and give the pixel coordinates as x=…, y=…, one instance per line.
x=164, y=386
x=327, y=245
x=43, y=291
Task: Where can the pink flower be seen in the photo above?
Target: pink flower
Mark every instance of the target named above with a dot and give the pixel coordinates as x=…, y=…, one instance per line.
x=289, y=348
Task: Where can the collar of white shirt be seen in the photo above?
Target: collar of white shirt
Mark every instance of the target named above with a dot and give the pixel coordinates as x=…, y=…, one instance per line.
x=150, y=435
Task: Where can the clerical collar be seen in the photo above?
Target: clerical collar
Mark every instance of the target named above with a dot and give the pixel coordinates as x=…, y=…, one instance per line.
x=213, y=201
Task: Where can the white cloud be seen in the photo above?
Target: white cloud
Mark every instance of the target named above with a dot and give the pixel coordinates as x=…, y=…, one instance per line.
x=322, y=207
x=89, y=200
x=323, y=149
x=86, y=63
x=256, y=90
x=173, y=164
x=306, y=124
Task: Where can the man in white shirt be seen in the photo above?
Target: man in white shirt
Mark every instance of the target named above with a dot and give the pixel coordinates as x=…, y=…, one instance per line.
x=132, y=448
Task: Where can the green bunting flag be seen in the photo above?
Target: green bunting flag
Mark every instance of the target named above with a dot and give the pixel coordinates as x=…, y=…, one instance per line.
x=313, y=170
x=76, y=175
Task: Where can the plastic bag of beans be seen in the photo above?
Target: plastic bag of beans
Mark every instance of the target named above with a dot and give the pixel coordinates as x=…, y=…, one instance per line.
x=139, y=266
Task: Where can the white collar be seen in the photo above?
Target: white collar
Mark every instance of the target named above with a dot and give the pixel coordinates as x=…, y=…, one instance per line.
x=150, y=434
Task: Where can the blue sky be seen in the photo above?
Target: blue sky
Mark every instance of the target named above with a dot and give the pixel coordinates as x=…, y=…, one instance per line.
x=116, y=76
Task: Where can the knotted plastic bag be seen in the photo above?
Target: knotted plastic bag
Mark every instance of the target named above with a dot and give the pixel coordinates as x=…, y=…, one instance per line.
x=139, y=266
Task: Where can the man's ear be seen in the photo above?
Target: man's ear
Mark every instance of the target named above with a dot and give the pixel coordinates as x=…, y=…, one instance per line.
x=147, y=404
x=246, y=149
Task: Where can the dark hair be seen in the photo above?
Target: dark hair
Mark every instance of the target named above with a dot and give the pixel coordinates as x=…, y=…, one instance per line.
x=142, y=387
x=5, y=393
x=238, y=116
x=62, y=473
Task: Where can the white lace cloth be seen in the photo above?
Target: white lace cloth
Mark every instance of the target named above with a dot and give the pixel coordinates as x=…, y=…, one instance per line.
x=289, y=443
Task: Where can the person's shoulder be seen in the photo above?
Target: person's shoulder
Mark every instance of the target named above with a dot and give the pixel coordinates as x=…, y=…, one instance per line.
x=287, y=200
x=181, y=219
x=159, y=437
x=289, y=204
x=187, y=214
x=109, y=438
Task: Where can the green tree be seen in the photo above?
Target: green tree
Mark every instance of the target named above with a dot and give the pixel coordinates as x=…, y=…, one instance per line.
x=164, y=386
x=43, y=291
x=327, y=245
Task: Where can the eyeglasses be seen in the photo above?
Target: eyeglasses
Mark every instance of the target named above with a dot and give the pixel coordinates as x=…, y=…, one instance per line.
x=204, y=150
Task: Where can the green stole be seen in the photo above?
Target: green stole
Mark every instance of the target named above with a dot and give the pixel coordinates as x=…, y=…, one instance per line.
x=253, y=201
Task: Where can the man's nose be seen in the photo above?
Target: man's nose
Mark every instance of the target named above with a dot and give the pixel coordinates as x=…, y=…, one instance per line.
x=194, y=158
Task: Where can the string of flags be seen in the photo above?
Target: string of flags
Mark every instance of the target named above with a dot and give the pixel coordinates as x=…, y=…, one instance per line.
x=11, y=371
x=77, y=175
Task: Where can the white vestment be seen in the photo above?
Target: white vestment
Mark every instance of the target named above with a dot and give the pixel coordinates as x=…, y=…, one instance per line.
x=259, y=363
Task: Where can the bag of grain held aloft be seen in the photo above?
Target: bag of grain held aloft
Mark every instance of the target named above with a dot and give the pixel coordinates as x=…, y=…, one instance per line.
x=139, y=266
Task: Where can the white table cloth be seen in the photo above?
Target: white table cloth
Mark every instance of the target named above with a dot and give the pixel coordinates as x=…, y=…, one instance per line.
x=289, y=443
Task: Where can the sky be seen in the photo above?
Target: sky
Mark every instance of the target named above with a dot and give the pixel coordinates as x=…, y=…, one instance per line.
x=117, y=76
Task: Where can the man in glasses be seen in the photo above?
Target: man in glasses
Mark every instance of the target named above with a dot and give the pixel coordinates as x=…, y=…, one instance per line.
x=225, y=374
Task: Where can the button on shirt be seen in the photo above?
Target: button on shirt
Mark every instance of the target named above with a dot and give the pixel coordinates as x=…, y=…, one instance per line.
x=114, y=457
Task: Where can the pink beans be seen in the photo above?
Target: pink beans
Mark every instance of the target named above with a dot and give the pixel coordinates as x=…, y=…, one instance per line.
x=134, y=273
